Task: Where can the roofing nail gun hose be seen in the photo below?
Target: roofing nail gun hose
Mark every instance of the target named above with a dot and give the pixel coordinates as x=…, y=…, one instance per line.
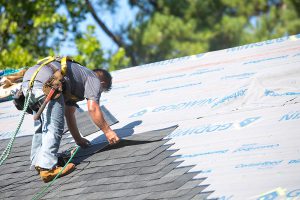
x=7, y=150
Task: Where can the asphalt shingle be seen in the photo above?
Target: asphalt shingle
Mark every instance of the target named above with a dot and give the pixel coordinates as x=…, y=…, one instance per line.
x=139, y=167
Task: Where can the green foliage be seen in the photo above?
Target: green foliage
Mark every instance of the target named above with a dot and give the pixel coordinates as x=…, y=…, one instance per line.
x=31, y=30
x=25, y=29
x=17, y=58
x=90, y=53
x=169, y=29
x=118, y=60
x=281, y=19
x=167, y=36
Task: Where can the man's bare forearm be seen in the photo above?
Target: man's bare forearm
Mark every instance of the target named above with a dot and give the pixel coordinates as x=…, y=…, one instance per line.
x=71, y=122
x=72, y=125
x=98, y=118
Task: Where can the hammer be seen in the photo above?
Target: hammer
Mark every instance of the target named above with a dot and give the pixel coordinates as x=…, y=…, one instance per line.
x=41, y=109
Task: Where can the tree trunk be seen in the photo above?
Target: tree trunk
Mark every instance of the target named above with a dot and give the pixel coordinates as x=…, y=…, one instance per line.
x=115, y=38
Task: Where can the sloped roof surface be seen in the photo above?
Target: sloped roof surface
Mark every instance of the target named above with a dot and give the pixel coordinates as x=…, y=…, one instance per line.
x=237, y=112
x=139, y=167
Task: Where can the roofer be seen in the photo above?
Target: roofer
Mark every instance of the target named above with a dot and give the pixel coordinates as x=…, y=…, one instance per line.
x=78, y=83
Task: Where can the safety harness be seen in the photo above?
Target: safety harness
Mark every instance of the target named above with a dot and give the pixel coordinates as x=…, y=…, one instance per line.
x=55, y=81
x=52, y=88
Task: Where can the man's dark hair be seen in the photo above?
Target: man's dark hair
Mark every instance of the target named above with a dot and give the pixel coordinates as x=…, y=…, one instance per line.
x=104, y=77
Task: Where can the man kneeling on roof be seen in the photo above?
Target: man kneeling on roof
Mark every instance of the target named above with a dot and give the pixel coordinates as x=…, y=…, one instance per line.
x=78, y=83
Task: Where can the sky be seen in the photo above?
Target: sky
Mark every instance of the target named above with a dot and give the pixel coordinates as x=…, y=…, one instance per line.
x=124, y=15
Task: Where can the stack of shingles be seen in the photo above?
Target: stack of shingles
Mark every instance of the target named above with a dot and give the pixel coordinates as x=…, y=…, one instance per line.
x=139, y=167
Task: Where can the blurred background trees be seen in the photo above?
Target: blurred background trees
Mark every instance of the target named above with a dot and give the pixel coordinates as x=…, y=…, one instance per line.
x=160, y=29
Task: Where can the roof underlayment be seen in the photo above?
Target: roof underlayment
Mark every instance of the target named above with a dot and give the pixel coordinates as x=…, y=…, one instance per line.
x=227, y=127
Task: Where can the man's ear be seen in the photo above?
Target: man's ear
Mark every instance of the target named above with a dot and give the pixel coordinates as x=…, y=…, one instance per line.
x=104, y=86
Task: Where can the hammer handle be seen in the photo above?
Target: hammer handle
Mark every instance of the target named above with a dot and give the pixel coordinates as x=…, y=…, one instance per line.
x=41, y=109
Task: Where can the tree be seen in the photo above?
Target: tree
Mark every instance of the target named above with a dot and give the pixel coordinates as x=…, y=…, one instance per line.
x=169, y=29
x=25, y=29
x=165, y=29
x=30, y=30
x=90, y=53
x=161, y=29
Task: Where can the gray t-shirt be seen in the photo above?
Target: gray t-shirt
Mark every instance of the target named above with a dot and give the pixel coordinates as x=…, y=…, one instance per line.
x=79, y=80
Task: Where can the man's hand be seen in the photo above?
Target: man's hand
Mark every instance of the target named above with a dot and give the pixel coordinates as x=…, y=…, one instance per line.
x=112, y=137
x=71, y=121
x=98, y=118
x=82, y=142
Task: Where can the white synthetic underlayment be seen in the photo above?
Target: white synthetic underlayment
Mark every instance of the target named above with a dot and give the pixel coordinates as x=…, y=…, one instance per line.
x=238, y=112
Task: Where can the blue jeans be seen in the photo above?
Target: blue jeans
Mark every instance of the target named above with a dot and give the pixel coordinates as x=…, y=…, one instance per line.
x=48, y=130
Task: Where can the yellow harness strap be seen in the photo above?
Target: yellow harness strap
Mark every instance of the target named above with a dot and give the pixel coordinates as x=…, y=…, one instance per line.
x=46, y=61
x=63, y=64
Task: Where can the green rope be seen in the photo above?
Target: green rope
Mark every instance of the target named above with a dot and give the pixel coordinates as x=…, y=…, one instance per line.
x=7, y=150
x=41, y=193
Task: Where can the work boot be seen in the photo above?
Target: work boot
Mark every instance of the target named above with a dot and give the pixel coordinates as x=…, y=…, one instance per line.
x=38, y=169
x=48, y=175
x=62, y=161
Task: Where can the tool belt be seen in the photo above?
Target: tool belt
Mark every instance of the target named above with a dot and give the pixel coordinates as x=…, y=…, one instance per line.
x=55, y=82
